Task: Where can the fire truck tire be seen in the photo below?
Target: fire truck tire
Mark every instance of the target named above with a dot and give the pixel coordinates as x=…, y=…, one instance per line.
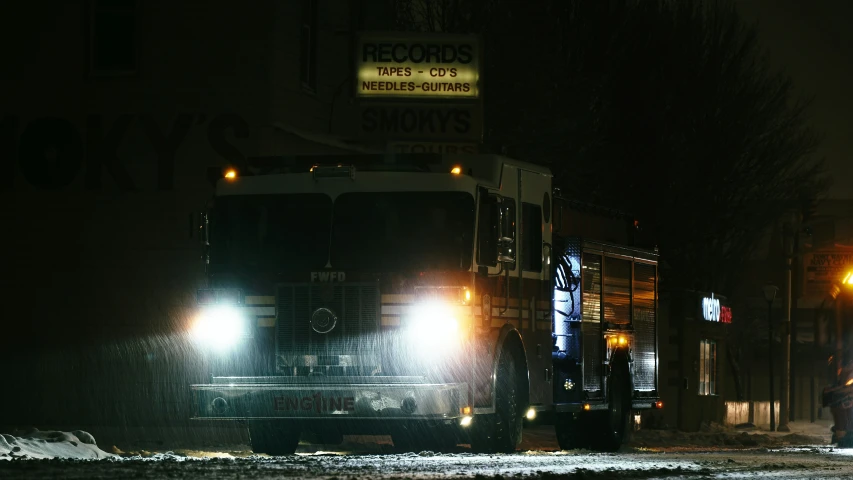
x=273, y=437
x=501, y=432
x=570, y=432
x=614, y=428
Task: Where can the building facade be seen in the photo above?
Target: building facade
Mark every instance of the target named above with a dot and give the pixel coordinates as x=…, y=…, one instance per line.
x=120, y=109
x=696, y=374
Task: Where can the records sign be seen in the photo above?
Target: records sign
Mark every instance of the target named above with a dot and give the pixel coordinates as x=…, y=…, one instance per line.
x=417, y=66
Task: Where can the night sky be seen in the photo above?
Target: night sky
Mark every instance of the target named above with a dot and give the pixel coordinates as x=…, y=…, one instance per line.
x=813, y=41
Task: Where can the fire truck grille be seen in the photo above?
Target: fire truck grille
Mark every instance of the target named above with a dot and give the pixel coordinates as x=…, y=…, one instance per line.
x=327, y=318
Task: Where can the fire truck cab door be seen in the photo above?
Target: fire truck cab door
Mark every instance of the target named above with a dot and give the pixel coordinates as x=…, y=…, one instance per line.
x=534, y=280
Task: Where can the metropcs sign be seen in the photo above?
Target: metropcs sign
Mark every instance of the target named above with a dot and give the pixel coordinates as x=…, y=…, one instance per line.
x=417, y=66
x=712, y=311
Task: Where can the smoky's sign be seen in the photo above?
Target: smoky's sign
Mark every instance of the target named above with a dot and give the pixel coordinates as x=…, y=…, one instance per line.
x=422, y=121
x=824, y=268
x=417, y=66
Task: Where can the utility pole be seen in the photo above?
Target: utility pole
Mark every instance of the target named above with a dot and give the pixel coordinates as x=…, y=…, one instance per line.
x=770, y=294
x=785, y=394
x=751, y=413
x=770, y=357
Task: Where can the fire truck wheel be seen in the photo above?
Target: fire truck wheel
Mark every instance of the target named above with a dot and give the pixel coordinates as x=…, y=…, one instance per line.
x=273, y=437
x=569, y=432
x=501, y=432
x=614, y=427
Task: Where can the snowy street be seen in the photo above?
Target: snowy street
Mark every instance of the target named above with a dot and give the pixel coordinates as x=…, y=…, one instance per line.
x=810, y=462
x=652, y=454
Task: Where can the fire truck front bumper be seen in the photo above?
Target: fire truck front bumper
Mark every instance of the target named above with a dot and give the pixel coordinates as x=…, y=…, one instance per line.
x=345, y=398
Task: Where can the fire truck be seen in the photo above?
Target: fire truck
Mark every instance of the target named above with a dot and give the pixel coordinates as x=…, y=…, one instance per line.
x=438, y=299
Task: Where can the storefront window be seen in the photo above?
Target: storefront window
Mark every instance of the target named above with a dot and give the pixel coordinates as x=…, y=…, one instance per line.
x=707, y=367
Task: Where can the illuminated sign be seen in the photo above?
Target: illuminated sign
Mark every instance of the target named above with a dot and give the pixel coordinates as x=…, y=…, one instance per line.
x=725, y=315
x=417, y=66
x=824, y=268
x=712, y=311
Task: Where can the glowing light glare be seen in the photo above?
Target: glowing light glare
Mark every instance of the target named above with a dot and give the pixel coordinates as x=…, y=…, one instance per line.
x=586, y=406
x=659, y=404
x=456, y=170
x=231, y=174
x=466, y=421
x=849, y=382
x=219, y=327
x=434, y=325
x=848, y=279
x=531, y=414
x=467, y=295
x=623, y=340
x=466, y=410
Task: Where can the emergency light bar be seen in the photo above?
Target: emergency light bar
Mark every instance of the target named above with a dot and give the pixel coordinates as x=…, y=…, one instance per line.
x=331, y=166
x=306, y=163
x=452, y=295
x=341, y=171
x=219, y=296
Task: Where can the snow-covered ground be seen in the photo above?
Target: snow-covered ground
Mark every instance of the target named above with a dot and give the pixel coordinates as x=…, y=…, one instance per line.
x=715, y=452
x=785, y=463
x=35, y=444
x=719, y=436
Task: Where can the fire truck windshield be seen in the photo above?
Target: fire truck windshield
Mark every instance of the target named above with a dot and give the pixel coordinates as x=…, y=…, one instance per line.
x=403, y=230
x=271, y=231
x=361, y=231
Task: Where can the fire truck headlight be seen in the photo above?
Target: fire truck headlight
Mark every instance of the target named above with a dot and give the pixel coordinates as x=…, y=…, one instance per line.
x=219, y=327
x=434, y=325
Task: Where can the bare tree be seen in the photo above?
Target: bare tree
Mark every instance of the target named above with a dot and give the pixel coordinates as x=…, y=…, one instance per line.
x=666, y=108
x=669, y=108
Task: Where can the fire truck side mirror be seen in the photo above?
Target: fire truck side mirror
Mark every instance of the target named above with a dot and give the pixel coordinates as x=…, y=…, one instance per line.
x=506, y=231
x=202, y=228
x=506, y=253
